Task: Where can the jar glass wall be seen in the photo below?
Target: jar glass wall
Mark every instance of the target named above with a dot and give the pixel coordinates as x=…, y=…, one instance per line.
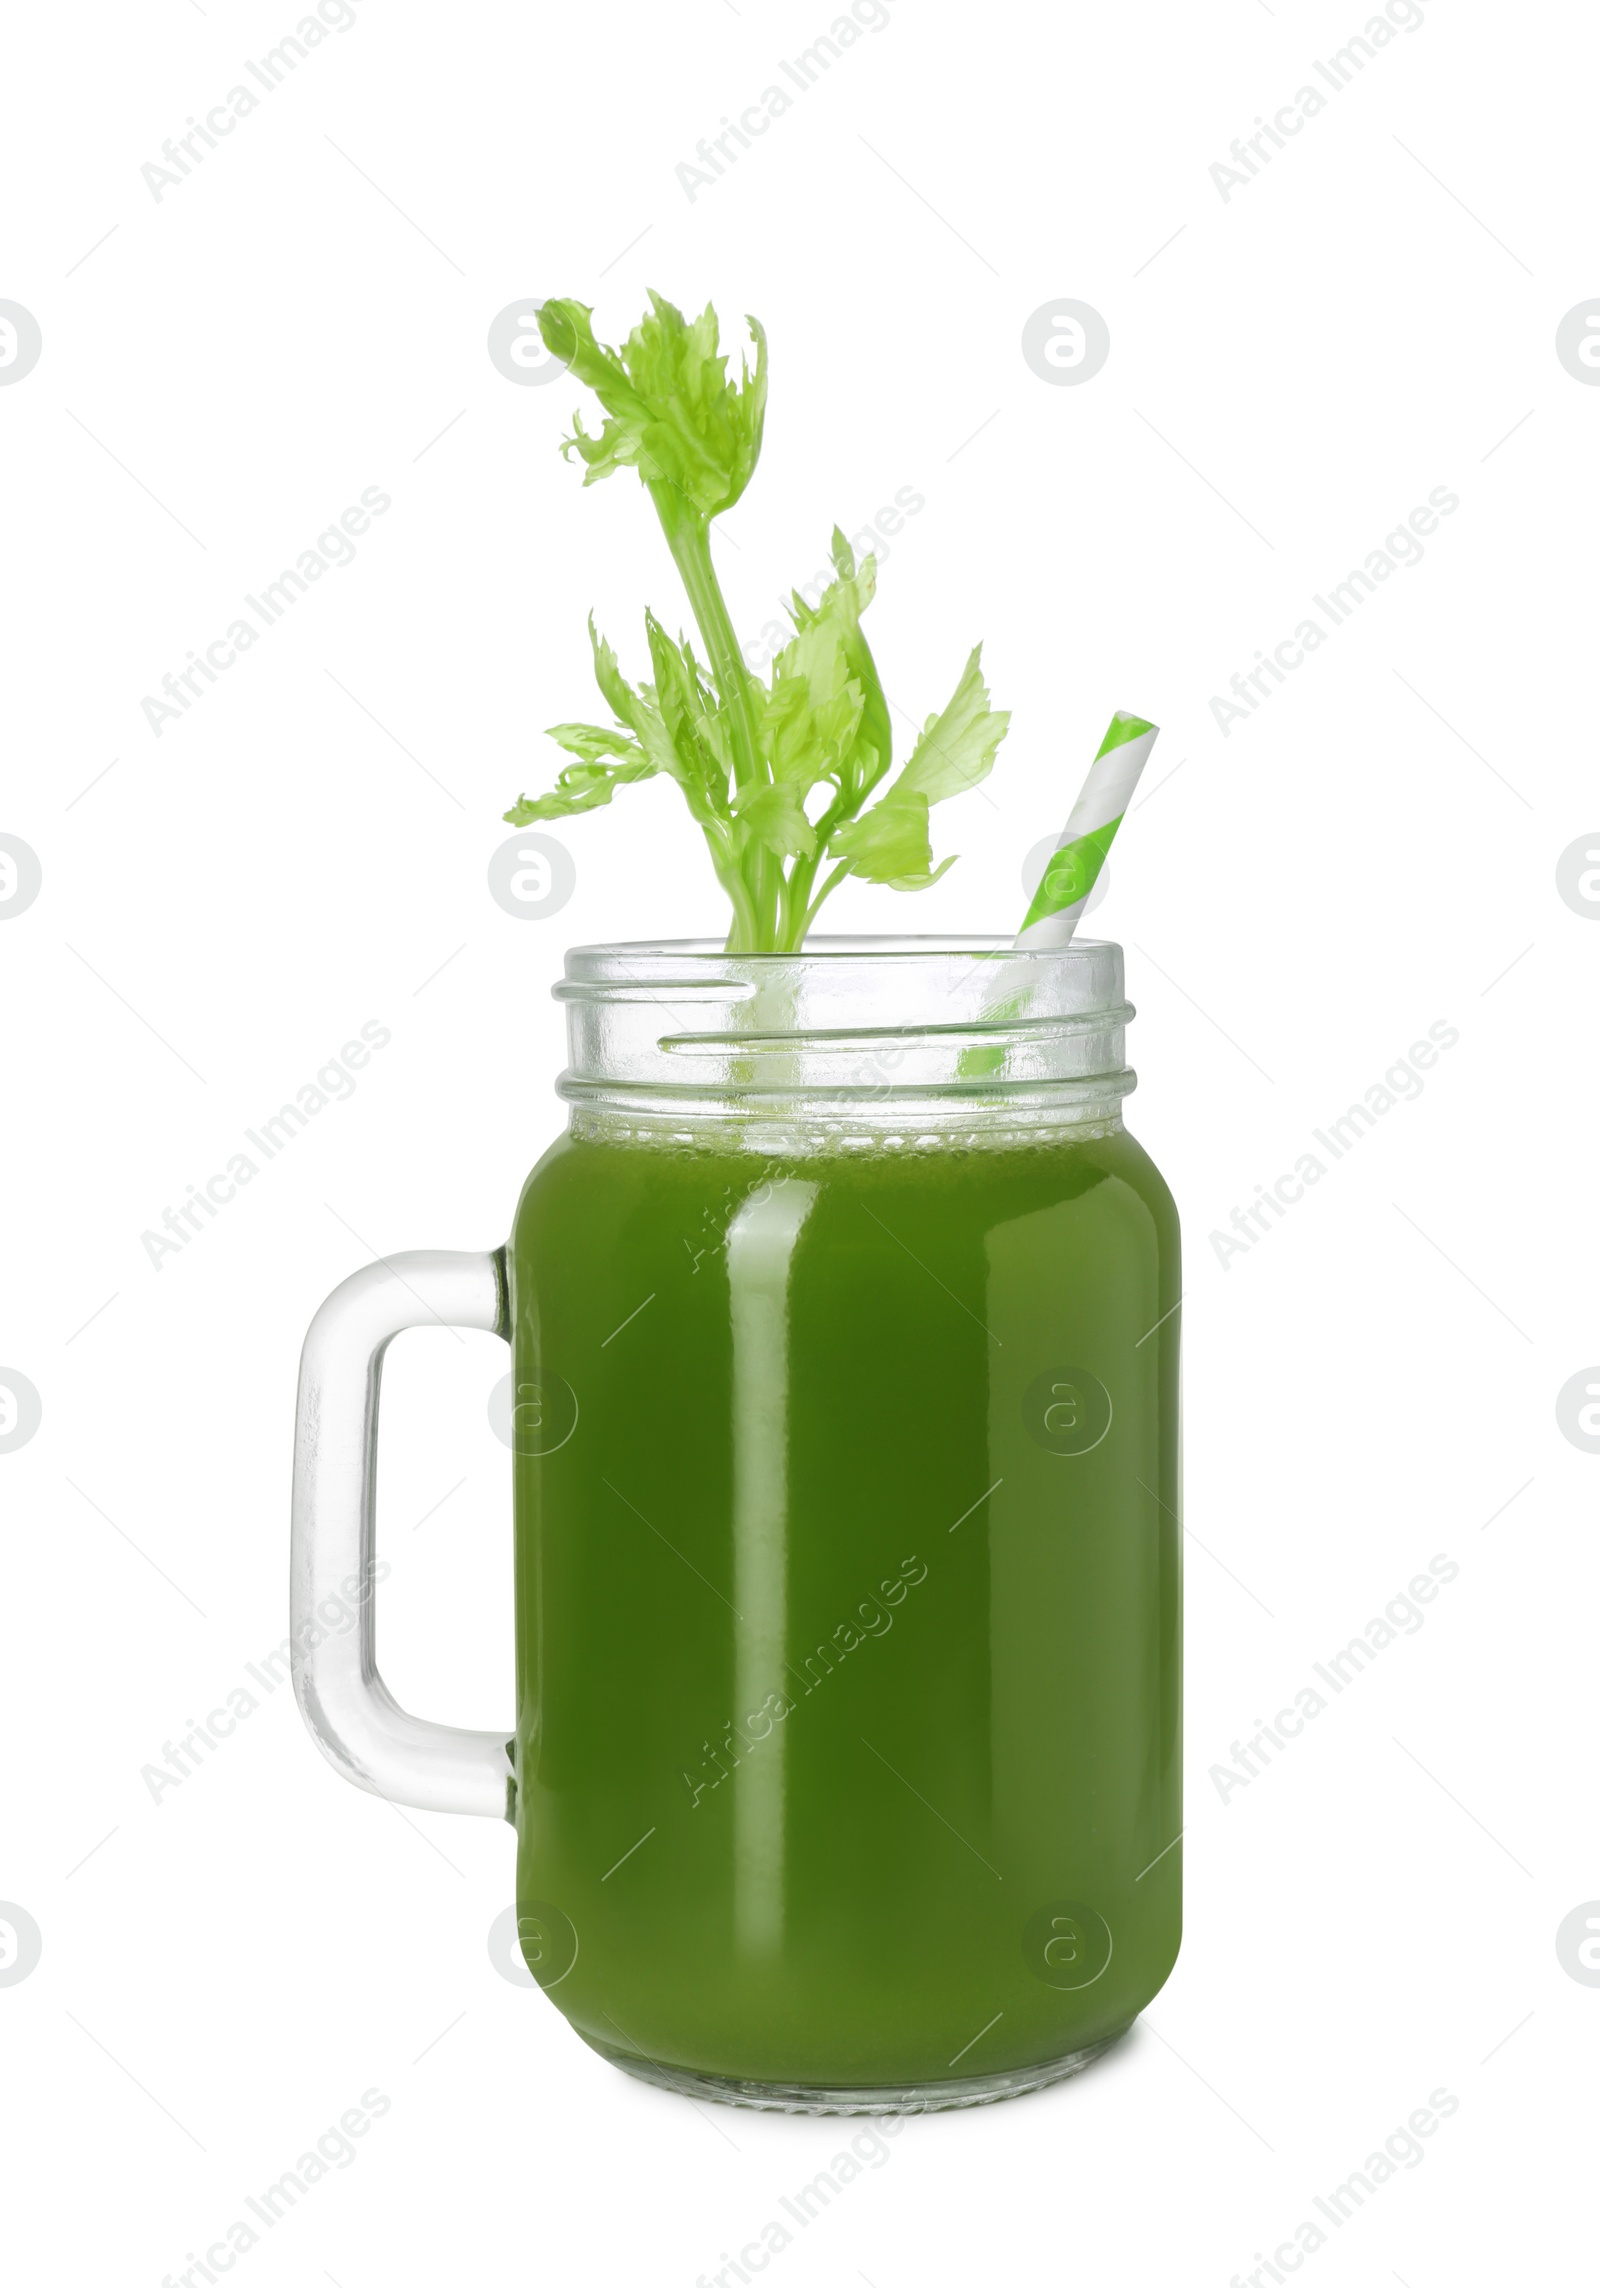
x=845, y=1352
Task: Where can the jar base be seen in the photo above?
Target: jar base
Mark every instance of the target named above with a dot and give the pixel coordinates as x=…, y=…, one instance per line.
x=805, y=2097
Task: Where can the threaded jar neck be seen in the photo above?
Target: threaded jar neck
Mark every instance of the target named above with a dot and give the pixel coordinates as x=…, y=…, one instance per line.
x=872, y=1041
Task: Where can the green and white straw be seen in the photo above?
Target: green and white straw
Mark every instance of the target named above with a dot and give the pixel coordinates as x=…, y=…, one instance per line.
x=1076, y=861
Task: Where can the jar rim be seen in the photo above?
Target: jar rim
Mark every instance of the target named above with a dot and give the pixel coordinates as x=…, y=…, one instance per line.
x=827, y=947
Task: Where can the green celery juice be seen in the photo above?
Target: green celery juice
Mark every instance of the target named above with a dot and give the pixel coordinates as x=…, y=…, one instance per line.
x=848, y=1589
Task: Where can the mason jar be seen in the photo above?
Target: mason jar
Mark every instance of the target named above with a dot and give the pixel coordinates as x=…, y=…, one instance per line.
x=844, y=1332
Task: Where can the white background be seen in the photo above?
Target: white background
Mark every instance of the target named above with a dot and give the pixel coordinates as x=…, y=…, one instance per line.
x=1292, y=370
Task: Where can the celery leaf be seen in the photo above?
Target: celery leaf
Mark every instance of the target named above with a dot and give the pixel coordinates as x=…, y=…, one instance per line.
x=956, y=748
x=772, y=815
x=672, y=412
x=890, y=844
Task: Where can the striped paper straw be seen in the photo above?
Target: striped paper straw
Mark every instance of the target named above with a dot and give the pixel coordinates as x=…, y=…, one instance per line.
x=1075, y=864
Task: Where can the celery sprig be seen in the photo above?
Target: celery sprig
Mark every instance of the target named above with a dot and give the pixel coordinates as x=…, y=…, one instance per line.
x=778, y=774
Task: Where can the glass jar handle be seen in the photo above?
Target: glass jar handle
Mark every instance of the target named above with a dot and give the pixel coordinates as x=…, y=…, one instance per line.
x=348, y=1708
